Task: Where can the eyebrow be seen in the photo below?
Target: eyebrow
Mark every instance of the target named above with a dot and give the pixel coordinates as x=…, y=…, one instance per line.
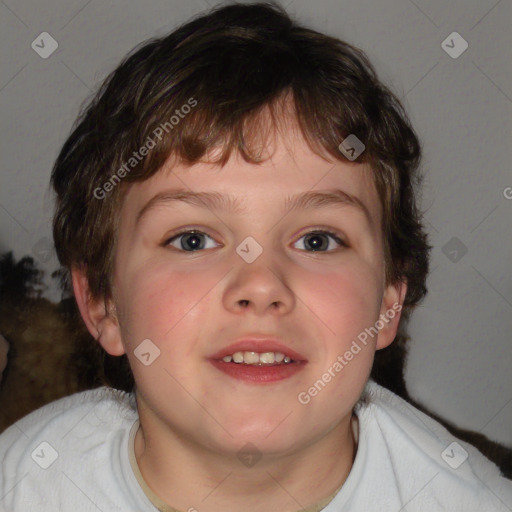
x=220, y=202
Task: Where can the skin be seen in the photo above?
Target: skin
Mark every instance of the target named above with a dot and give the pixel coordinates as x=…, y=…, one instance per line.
x=194, y=419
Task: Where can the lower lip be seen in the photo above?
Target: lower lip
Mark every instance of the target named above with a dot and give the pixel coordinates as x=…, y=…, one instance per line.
x=259, y=374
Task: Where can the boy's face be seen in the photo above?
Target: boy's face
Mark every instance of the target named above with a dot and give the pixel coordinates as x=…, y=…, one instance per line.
x=190, y=302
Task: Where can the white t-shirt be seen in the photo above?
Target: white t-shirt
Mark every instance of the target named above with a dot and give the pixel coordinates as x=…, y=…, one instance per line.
x=76, y=454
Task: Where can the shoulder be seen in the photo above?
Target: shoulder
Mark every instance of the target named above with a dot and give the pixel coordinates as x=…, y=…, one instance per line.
x=62, y=413
x=421, y=451
x=86, y=412
x=64, y=436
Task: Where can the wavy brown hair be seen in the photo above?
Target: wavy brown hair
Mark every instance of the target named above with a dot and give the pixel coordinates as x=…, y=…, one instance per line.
x=236, y=61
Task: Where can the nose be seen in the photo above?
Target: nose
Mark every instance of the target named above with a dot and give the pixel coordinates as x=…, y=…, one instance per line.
x=260, y=286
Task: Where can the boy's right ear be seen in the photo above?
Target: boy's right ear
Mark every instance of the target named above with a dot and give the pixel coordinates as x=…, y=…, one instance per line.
x=100, y=319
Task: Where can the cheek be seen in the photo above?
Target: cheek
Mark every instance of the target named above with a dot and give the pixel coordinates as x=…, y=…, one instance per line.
x=162, y=304
x=147, y=296
x=338, y=285
x=344, y=304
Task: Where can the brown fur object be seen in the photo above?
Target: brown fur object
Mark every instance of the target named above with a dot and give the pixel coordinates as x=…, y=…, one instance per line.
x=40, y=344
x=51, y=355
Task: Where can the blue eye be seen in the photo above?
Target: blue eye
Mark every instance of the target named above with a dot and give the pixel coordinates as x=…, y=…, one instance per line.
x=192, y=240
x=318, y=240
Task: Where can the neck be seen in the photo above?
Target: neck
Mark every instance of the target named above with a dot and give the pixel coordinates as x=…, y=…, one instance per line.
x=189, y=476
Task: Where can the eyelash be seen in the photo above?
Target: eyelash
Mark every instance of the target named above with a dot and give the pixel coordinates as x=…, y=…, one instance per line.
x=191, y=231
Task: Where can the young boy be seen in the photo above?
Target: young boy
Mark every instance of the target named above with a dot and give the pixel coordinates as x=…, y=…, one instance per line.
x=236, y=208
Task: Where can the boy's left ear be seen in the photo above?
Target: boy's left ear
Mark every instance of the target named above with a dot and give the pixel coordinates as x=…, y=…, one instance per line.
x=390, y=313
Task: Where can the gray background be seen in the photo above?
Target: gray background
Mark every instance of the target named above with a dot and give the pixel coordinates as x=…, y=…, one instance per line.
x=461, y=351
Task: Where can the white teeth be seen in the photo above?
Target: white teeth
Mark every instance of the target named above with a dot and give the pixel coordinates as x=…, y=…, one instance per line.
x=238, y=357
x=257, y=358
x=251, y=358
x=267, y=357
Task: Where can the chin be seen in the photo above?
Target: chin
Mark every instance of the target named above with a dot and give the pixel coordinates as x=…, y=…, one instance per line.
x=270, y=438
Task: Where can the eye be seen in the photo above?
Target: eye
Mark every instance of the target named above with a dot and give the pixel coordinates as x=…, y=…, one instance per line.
x=191, y=240
x=318, y=240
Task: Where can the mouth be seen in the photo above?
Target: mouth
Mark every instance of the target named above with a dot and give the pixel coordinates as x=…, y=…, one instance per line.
x=258, y=361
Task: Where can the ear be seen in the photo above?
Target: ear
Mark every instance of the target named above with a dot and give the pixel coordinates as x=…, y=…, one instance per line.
x=390, y=313
x=99, y=315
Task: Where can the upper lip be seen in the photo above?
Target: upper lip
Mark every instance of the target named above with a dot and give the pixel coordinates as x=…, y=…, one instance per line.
x=260, y=345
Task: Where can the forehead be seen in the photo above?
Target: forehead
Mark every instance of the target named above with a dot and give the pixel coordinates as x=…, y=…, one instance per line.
x=290, y=177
